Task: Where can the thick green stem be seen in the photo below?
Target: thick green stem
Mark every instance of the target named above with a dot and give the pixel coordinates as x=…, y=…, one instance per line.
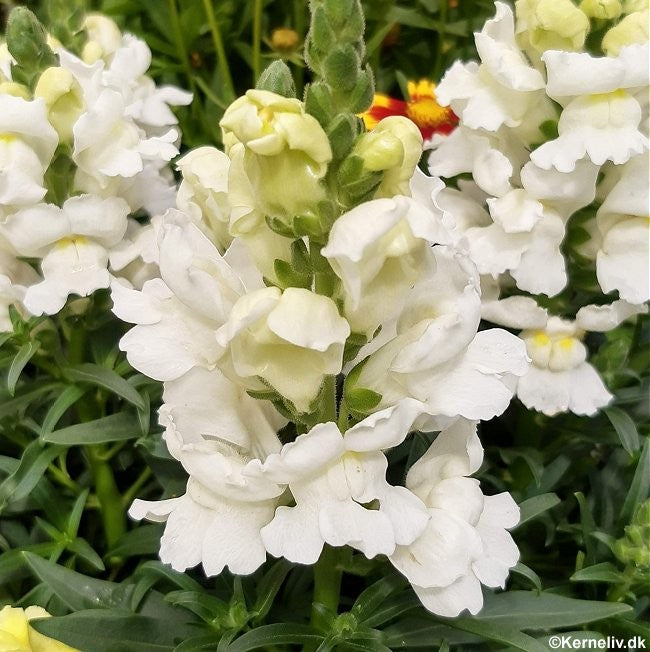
x=257, y=40
x=220, y=51
x=327, y=585
x=110, y=499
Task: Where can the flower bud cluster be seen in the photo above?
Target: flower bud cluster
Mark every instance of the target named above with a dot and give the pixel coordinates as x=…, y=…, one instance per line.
x=84, y=142
x=555, y=139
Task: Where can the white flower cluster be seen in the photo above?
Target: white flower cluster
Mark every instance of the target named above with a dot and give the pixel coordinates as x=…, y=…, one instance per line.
x=83, y=148
x=249, y=326
x=527, y=186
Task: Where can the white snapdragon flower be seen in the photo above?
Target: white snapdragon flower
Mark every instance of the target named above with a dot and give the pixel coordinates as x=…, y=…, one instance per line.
x=436, y=355
x=27, y=143
x=203, y=193
x=379, y=249
x=177, y=315
x=560, y=379
x=331, y=476
x=465, y=543
x=502, y=89
x=221, y=436
x=15, y=277
x=290, y=340
x=623, y=219
x=73, y=243
x=601, y=117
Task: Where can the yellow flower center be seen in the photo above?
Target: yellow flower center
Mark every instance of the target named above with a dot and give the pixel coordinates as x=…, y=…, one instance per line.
x=423, y=107
x=7, y=137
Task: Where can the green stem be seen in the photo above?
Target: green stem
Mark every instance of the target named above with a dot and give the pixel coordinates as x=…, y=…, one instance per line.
x=179, y=42
x=342, y=421
x=222, y=59
x=619, y=592
x=209, y=94
x=134, y=489
x=110, y=500
x=441, y=39
x=257, y=40
x=299, y=26
x=327, y=585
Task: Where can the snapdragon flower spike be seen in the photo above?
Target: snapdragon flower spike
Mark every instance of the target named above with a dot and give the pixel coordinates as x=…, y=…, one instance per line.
x=421, y=107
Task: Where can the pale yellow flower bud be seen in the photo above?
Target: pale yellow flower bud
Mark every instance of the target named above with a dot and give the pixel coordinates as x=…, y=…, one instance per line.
x=104, y=38
x=63, y=97
x=551, y=24
x=602, y=9
x=632, y=29
x=16, y=634
x=394, y=146
x=12, y=88
x=285, y=152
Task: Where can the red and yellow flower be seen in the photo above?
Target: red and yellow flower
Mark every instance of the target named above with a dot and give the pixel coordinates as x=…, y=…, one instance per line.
x=421, y=107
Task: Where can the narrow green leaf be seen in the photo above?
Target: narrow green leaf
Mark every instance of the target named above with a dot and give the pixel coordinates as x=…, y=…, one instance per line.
x=68, y=397
x=625, y=428
x=143, y=540
x=367, y=603
x=106, y=378
x=640, y=487
x=84, y=550
x=115, y=427
x=268, y=587
x=72, y=526
x=267, y=636
x=24, y=355
x=15, y=405
x=525, y=610
x=77, y=591
x=529, y=574
x=499, y=633
x=604, y=572
x=33, y=463
x=202, y=642
x=207, y=607
x=103, y=630
x=535, y=506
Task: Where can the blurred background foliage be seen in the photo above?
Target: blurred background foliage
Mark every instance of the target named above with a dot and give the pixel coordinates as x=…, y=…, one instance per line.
x=79, y=440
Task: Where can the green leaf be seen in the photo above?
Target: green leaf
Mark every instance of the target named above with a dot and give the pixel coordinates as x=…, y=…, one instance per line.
x=625, y=428
x=116, y=427
x=640, y=487
x=33, y=463
x=143, y=540
x=392, y=608
x=68, y=397
x=604, y=572
x=289, y=277
x=525, y=610
x=529, y=574
x=72, y=526
x=369, y=600
x=268, y=587
x=362, y=399
x=202, y=642
x=424, y=634
x=77, y=591
x=207, y=607
x=84, y=550
x=277, y=634
x=106, y=378
x=24, y=355
x=498, y=633
x=15, y=405
x=103, y=630
x=535, y=506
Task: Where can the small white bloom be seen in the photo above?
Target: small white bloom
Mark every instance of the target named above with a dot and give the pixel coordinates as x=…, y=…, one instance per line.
x=623, y=219
x=436, y=355
x=73, y=243
x=331, y=476
x=465, y=543
x=291, y=340
x=27, y=143
x=379, y=249
x=203, y=193
x=15, y=277
x=560, y=379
